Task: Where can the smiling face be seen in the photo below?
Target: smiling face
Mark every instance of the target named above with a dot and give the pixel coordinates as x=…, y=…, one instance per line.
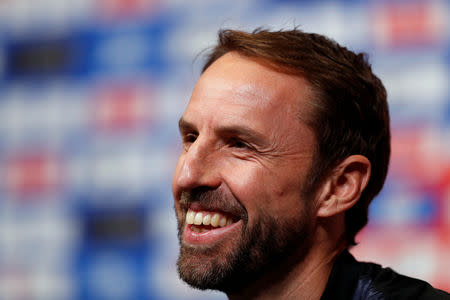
x=239, y=182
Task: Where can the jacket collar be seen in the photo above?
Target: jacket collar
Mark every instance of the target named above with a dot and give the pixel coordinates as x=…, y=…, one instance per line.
x=343, y=278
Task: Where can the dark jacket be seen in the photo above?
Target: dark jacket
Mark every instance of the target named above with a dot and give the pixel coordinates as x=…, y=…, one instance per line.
x=353, y=280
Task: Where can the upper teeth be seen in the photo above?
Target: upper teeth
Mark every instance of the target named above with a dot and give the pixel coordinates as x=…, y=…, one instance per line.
x=207, y=218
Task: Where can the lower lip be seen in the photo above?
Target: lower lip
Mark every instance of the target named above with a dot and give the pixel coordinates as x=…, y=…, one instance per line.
x=209, y=237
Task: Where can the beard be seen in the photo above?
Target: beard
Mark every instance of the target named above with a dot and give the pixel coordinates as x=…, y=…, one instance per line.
x=269, y=245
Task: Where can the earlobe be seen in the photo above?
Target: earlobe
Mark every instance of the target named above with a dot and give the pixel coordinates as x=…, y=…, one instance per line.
x=345, y=186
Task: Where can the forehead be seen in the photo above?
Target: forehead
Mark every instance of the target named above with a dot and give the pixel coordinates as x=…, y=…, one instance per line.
x=249, y=87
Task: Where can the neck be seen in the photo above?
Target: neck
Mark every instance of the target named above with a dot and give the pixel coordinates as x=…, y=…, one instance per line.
x=306, y=279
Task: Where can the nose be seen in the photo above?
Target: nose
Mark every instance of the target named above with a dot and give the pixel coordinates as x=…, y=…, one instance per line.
x=197, y=167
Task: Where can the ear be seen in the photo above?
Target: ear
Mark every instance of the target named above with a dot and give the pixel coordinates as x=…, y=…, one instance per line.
x=344, y=186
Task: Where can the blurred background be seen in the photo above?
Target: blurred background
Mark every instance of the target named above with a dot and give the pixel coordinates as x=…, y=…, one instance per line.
x=90, y=95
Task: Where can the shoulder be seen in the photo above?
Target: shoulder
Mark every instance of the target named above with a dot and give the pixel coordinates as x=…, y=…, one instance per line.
x=376, y=282
x=353, y=280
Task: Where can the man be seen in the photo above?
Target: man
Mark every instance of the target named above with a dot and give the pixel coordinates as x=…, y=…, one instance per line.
x=285, y=143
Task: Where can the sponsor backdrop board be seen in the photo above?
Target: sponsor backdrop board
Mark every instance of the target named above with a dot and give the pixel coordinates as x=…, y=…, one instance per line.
x=90, y=95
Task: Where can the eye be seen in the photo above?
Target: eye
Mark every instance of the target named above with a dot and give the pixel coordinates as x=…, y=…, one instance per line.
x=189, y=138
x=237, y=143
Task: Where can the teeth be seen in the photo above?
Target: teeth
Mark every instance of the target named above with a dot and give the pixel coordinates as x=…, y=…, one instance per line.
x=205, y=218
x=215, y=220
x=198, y=218
x=223, y=222
x=190, y=217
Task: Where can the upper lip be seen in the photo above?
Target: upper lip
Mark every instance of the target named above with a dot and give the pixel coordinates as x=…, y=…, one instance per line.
x=216, y=203
x=196, y=206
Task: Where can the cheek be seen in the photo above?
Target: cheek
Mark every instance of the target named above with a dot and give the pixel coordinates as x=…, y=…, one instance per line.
x=257, y=188
x=262, y=190
x=246, y=182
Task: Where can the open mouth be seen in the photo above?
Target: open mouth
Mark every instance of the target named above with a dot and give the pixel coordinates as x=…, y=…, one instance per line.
x=204, y=221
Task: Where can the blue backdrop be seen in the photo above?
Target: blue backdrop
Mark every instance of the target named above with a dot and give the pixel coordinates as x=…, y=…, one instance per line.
x=90, y=95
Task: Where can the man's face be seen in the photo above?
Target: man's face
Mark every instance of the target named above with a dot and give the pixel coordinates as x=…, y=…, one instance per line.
x=239, y=182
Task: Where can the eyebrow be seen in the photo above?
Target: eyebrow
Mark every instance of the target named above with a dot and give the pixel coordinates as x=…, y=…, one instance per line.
x=184, y=125
x=228, y=130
